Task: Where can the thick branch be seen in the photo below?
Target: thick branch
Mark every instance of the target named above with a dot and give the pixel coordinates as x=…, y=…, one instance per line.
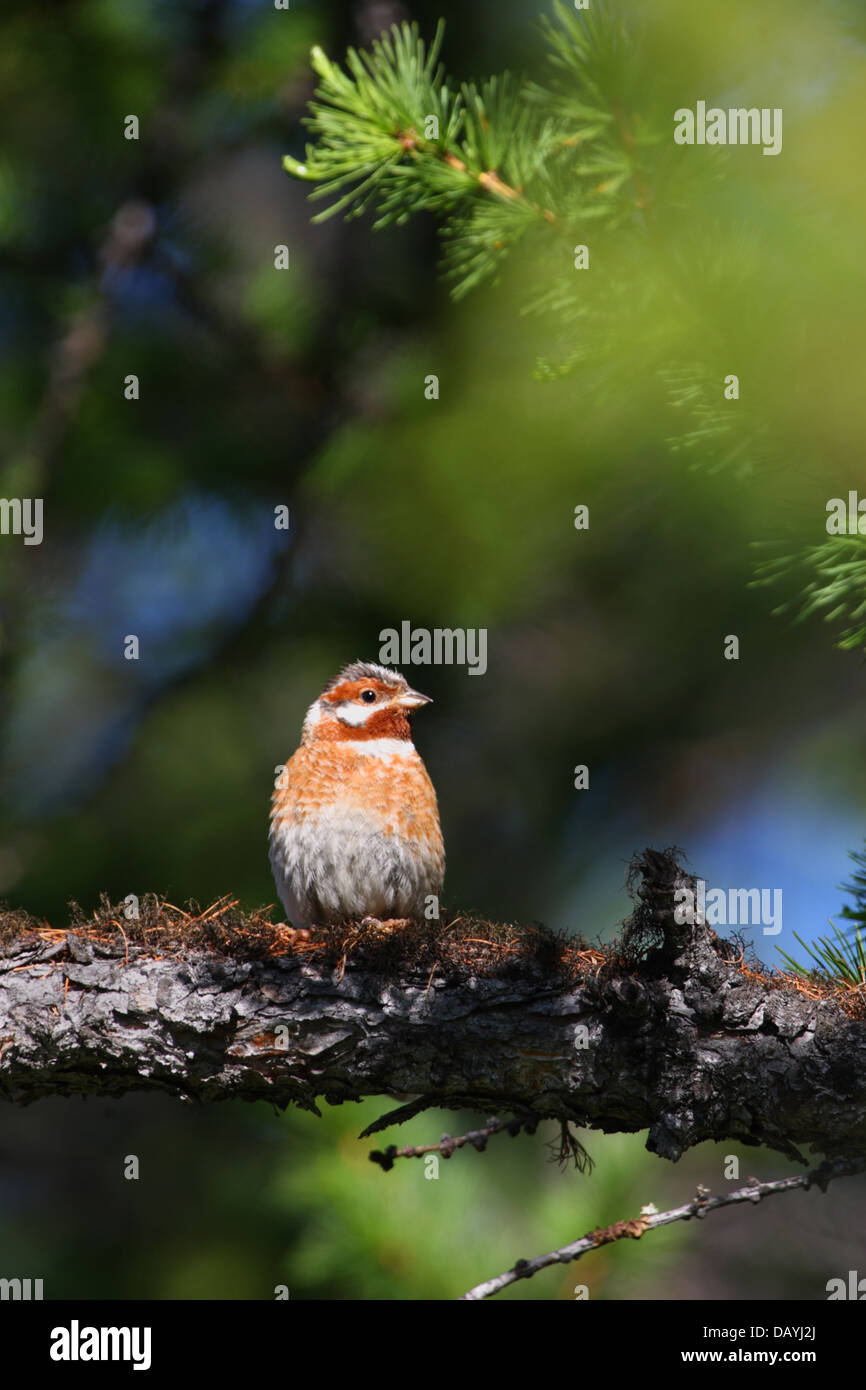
x=667, y=1032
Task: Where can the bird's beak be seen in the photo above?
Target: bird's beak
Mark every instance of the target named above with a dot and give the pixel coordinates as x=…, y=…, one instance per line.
x=413, y=699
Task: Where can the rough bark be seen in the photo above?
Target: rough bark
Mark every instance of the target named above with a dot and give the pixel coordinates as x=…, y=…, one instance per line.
x=679, y=1039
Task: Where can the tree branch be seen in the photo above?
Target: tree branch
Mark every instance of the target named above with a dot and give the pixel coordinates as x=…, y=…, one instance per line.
x=668, y=1030
x=703, y=1204
x=448, y=1144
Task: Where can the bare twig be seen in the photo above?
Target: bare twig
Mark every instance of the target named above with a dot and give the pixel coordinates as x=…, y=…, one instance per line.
x=649, y=1220
x=448, y=1143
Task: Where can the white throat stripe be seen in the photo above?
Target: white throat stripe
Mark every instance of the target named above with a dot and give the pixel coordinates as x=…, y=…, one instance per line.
x=380, y=747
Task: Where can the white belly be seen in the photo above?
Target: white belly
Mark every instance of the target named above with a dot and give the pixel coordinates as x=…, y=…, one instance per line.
x=338, y=866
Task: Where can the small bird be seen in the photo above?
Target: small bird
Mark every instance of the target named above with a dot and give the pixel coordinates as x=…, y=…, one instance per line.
x=354, y=830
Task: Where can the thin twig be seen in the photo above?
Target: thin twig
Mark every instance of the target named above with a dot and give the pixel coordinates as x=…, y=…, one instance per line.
x=650, y=1220
x=448, y=1143
x=490, y=180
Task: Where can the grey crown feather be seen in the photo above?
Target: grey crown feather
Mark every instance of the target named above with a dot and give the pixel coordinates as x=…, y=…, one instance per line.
x=366, y=670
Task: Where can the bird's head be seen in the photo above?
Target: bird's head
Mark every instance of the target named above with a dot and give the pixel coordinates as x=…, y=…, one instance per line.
x=364, y=701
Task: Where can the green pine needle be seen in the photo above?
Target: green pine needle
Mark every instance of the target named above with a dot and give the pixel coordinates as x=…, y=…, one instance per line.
x=492, y=160
x=834, y=587
x=839, y=959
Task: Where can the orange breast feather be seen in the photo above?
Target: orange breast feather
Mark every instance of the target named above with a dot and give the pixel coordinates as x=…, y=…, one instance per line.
x=395, y=792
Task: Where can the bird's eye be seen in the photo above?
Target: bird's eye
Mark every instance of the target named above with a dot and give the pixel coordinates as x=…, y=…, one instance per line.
x=368, y=696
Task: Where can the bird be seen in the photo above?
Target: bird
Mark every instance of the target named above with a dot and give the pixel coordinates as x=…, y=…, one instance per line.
x=354, y=826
